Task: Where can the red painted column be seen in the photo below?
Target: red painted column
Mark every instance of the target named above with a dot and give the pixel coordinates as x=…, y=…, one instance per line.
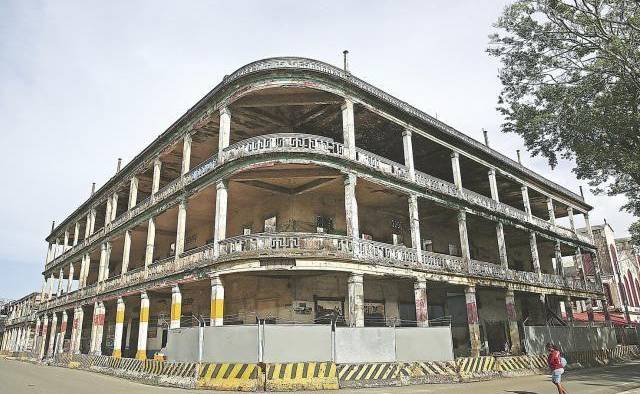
x=472, y=319
x=512, y=318
x=422, y=311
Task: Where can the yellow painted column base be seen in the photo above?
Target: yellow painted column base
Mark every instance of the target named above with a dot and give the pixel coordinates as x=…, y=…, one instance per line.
x=117, y=353
x=141, y=355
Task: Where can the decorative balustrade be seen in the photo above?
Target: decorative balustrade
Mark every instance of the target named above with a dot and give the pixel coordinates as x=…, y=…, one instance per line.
x=310, y=144
x=265, y=244
x=487, y=270
x=379, y=252
x=442, y=262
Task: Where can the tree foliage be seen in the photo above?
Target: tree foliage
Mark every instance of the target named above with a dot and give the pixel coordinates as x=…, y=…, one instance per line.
x=570, y=71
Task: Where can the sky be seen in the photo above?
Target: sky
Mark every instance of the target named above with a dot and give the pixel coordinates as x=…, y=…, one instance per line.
x=83, y=83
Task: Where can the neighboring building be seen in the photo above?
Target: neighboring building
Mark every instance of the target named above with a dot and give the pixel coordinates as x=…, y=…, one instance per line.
x=19, y=324
x=629, y=266
x=294, y=191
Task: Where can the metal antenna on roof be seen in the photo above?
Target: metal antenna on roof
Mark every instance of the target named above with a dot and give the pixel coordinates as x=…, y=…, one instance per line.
x=53, y=225
x=119, y=164
x=519, y=158
x=486, y=137
x=581, y=192
x=345, y=56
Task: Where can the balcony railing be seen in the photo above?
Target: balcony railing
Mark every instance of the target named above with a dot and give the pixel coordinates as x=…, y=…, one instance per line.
x=307, y=143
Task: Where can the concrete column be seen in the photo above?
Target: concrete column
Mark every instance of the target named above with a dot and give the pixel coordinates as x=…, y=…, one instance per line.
x=579, y=262
x=512, y=318
x=186, y=154
x=217, y=301
x=224, y=135
x=502, y=245
x=472, y=319
x=66, y=241
x=356, y=300
x=589, y=307
x=572, y=222
x=52, y=335
x=557, y=252
x=414, y=219
x=70, y=278
x=151, y=239
x=176, y=307
x=27, y=339
x=36, y=334
x=99, y=328
x=78, y=318
x=155, y=183
x=568, y=309
x=348, y=129
x=455, y=166
x=107, y=212
x=76, y=233
x=408, y=154
x=44, y=288
x=464, y=237
x=141, y=354
x=587, y=222
x=63, y=332
x=181, y=227
x=535, y=258
x=551, y=211
x=126, y=252
x=220, y=225
x=60, y=279
x=96, y=313
x=74, y=331
x=45, y=327
x=103, y=262
x=421, y=301
x=525, y=201
x=114, y=207
x=351, y=206
x=92, y=225
x=493, y=184
x=133, y=192
x=117, y=337
x=87, y=226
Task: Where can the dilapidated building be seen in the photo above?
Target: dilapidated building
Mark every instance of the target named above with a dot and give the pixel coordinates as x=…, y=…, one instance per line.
x=296, y=192
x=18, y=323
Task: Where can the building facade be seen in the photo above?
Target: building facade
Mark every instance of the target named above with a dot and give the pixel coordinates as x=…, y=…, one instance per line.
x=296, y=192
x=19, y=318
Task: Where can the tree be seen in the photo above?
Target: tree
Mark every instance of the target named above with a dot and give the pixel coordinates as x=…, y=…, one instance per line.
x=570, y=71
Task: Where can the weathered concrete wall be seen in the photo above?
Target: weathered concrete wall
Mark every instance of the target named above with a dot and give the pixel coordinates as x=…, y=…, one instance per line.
x=365, y=344
x=238, y=344
x=182, y=344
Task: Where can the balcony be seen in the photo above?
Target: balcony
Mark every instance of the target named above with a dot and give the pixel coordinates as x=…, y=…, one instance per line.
x=320, y=147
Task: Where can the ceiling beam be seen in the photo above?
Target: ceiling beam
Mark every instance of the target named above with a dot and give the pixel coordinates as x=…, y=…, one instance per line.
x=274, y=100
x=287, y=173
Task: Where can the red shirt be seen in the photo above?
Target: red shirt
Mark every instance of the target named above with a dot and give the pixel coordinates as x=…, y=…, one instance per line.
x=554, y=360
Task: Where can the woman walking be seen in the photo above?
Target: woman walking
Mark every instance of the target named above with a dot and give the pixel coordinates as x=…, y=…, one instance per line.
x=556, y=364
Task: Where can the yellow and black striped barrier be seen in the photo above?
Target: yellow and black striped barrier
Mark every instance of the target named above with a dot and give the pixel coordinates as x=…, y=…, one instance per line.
x=301, y=376
x=429, y=371
x=230, y=376
x=368, y=374
x=476, y=366
x=182, y=370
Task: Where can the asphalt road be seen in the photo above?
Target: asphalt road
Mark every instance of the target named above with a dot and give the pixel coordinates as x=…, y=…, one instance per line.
x=19, y=377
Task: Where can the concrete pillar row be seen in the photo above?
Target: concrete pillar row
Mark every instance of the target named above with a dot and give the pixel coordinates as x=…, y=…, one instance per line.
x=535, y=257
x=421, y=301
x=512, y=318
x=155, y=183
x=76, y=233
x=551, y=210
x=351, y=206
x=217, y=301
x=502, y=245
x=78, y=318
x=457, y=174
x=143, y=327
x=414, y=220
x=107, y=212
x=407, y=147
x=355, y=290
x=70, y=277
x=98, y=328
x=87, y=226
x=220, y=220
x=493, y=185
x=176, y=307
x=472, y=320
x=557, y=251
x=526, y=202
x=117, y=337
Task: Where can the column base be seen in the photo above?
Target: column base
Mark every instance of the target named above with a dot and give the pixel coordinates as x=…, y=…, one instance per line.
x=117, y=353
x=141, y=355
